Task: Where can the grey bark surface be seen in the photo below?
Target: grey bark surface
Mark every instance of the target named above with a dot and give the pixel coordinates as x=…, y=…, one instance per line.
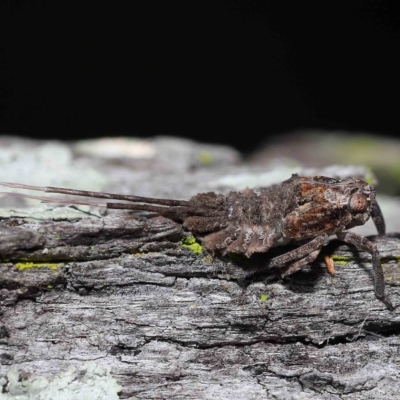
x=171, y=321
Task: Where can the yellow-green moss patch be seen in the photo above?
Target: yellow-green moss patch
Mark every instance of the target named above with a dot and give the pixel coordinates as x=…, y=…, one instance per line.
x=263, y=297
x=190, y=243
x=340, y=260
x=29, y=265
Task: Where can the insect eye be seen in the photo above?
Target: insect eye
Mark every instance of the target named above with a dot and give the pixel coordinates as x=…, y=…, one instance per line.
x=359, y=203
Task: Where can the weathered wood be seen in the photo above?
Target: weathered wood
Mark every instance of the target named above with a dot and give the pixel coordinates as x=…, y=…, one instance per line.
x=172, y=321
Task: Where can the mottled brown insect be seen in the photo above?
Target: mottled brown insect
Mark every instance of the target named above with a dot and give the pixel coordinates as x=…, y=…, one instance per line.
x=253, y=221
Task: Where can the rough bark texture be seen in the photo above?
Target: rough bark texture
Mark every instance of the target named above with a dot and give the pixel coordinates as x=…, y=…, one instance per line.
x=171, y=321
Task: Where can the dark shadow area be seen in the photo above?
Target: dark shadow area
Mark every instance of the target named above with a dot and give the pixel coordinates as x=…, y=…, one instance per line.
x=226, y=72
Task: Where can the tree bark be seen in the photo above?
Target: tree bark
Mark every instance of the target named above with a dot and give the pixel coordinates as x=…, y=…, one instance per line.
x=171, y=320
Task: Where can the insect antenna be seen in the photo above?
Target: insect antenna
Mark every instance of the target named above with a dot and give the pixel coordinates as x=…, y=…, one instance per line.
x=99, y=195
x=160, y=206
x=45, y=199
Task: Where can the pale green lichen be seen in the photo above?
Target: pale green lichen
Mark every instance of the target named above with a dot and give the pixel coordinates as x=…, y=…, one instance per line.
x=90, y=382
x=208, y=259
x=205, y=158
x=29, y=265
x=190, y=243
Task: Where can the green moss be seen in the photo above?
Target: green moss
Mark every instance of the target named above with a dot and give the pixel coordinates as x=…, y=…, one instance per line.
x=341, y=263
x=389, y=278
x=263, y=297
x=340, y=260
x=29, y=265
x=57, y=236
x=190, y=243
x=50, y=286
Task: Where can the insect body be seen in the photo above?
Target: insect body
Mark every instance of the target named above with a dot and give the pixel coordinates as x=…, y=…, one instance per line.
x=253, y=221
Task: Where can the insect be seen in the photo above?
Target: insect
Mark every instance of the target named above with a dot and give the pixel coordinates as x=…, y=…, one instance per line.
x=302, y=209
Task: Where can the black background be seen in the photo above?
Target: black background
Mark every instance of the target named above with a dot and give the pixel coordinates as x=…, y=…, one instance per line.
x=235, y=72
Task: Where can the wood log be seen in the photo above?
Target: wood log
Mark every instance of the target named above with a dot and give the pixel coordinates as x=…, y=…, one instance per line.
x=163, y=318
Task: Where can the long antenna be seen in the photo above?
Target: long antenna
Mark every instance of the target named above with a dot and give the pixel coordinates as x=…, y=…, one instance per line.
x=100, y=195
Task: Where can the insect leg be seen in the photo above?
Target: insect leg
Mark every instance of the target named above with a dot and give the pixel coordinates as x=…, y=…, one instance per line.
x=330, y=266
x=292, y=256
x=363, y=243
x=377, y=217
x=299, y=264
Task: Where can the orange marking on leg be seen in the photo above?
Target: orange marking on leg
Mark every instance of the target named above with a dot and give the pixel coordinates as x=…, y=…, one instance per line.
x=330, y=265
